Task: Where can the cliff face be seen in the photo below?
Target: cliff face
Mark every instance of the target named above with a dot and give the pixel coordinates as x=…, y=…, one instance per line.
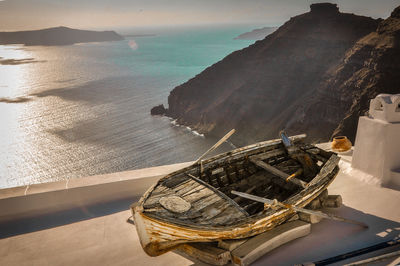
x=369, y=68
x=259, y=89
x=57, y=36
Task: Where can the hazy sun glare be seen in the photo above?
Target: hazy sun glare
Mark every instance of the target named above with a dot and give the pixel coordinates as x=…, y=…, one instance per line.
x=14, y=76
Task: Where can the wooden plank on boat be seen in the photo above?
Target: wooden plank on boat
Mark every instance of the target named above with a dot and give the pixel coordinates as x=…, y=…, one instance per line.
x=206, y=253
x=219, y=193
x=294, y=218
x=314, y=205
x=268, y=155
x=323, y=195
x=278, y=172
x=298, y=209
x=326, y=170
x=231, y=244
x=237, y=154
x=269, y=168
x=265, y=242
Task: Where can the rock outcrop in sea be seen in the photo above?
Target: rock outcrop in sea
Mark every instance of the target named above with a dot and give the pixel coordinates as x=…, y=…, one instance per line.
x=57, y=36
x=158, y=110
x=265, y=87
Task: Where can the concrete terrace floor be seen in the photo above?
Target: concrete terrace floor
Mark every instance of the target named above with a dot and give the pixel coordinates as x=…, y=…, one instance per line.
x=100, y=235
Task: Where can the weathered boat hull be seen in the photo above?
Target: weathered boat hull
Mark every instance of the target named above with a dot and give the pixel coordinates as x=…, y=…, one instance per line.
x=158, y=235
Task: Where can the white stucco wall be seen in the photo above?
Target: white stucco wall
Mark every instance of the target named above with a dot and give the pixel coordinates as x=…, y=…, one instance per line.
x=377, y=150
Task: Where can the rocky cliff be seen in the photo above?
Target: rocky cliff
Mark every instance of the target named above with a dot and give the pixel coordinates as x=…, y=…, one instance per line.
x=370, y=67
x=261, y=89
x=57, y=36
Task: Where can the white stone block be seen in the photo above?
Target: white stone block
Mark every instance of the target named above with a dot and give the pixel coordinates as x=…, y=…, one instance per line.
x=377, y=145
x=385, y=107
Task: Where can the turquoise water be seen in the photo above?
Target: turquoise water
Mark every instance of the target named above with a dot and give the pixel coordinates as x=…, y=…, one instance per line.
x=173, y=57
x=85, y=109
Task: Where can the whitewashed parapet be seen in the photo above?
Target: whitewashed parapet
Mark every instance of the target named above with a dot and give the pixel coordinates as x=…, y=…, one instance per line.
x=46, y=198
x=377, y=145
x=386, y=107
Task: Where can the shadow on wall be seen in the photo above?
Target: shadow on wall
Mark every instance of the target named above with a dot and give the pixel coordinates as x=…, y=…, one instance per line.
x=393, y=186
x=43, y=222
x=329, y=238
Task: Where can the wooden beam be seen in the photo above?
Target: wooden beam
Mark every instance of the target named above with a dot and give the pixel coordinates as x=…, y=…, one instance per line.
x=216, y=145
x=298, y=209
x=326, y=169
x=231, y=244
x=220, y=194
x=263, y=243
x=323, y=195
x=310, y=218
x=206, y=253
x=314, y=205
x=250, y=150
x=278, y=172
x=268, y=154
x=332, y=201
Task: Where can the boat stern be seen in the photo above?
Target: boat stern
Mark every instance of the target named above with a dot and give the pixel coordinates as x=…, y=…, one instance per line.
x=141, y=229
x=151, y=242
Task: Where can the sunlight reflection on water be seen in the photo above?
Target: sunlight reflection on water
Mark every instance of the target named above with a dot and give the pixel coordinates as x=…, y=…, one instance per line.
x=13, y=77
x=82, y=110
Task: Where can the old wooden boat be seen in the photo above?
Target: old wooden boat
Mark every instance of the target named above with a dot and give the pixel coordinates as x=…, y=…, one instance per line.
x=195, y=204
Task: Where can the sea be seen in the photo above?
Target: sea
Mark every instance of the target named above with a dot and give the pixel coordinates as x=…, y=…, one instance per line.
x=80, y=110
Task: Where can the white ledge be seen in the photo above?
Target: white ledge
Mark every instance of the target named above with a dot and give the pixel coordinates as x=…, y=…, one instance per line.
x=39, y=199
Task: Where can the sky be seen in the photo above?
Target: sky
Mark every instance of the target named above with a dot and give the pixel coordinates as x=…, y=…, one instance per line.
x=114, y=14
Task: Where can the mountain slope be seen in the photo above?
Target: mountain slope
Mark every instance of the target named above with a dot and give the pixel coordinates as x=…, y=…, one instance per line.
x=250, y=89
x=369, y=68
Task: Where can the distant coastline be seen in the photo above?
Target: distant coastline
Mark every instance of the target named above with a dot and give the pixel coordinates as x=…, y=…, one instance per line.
x=257, y=34
x=57, y=36
x=81, y=110
x=138, y=35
